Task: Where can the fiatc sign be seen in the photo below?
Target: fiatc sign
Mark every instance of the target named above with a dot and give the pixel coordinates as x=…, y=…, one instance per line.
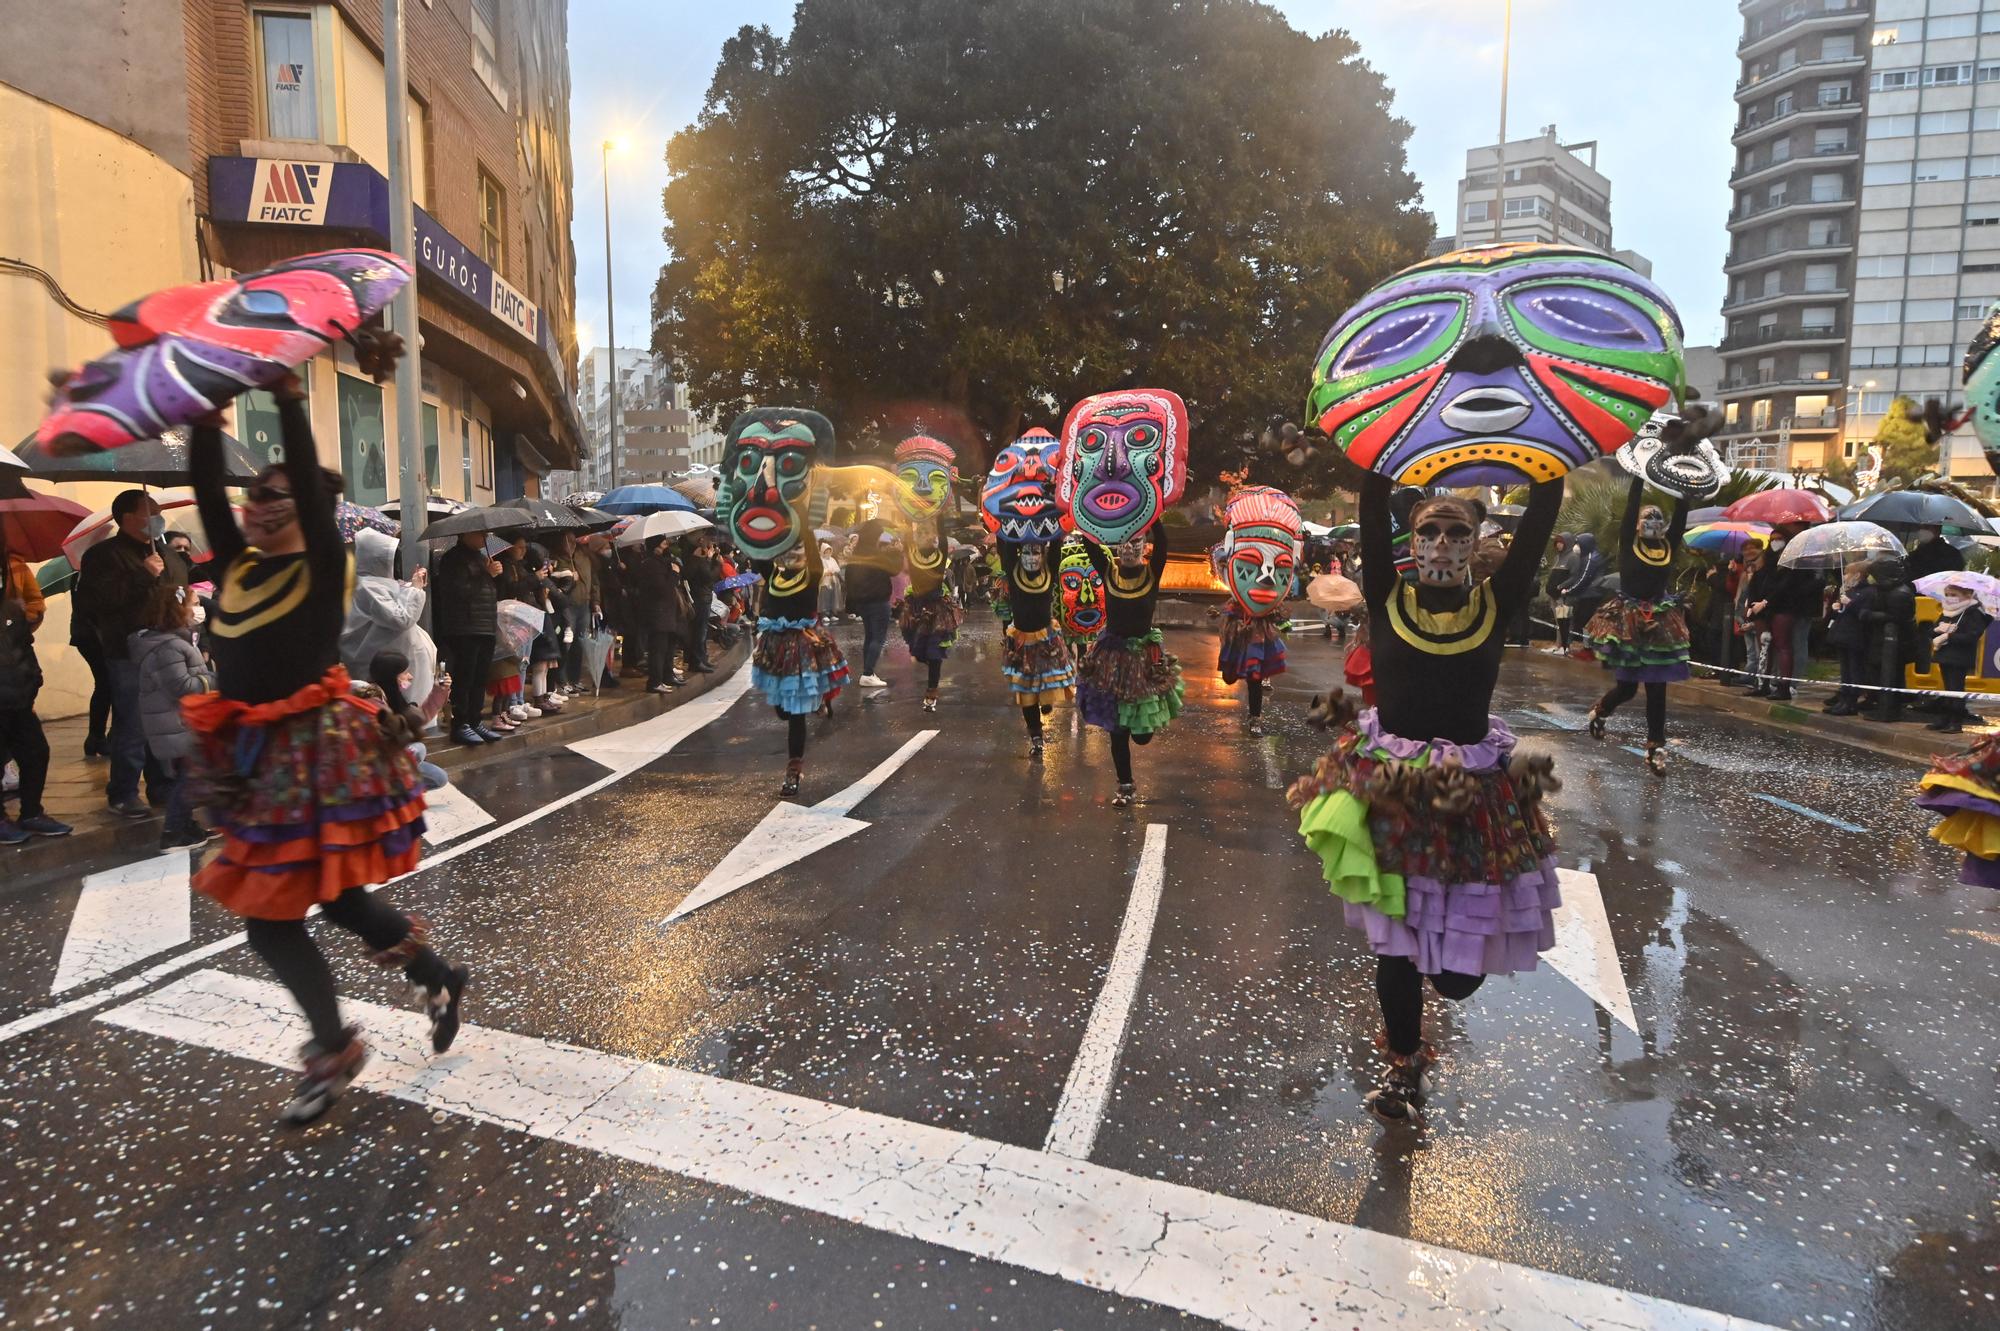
x=291, y=193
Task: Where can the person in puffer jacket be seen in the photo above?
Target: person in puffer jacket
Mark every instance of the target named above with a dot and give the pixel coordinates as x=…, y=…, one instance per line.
x=387, y=615
x=170, y=669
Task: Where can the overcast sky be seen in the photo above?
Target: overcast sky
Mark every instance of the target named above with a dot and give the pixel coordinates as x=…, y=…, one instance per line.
x=1651, y=82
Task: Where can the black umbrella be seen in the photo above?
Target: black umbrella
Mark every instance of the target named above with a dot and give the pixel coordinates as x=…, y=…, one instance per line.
x=544, y=516
x=162, y=461
x=1915, y=508
x=596, y=519
x=477, y=520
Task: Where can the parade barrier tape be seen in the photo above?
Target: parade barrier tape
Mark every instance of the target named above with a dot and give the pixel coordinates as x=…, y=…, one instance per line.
x=1837, y=685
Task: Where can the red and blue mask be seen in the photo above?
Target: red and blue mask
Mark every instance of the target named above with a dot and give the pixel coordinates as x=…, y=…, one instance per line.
x=768, y=461
x=1497, y=363
x=1261, y=551
x=1018, y=501
x=1081, y=592
x=1123, y=461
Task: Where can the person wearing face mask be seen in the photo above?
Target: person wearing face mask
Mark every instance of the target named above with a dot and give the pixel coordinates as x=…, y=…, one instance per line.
x=1641, y=634
x=1894, y=642
x=1130, y=684
x=1847, y=634
x=795, y=661
x=1955, y=642
x=1428, y=822
x=1584, y=592
x=114, y=583
x=315, y=793
x=1037, y=663
x=1789, y=598
x=1931, y=553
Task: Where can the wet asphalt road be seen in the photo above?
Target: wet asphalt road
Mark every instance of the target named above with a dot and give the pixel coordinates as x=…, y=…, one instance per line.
x=1804, y=1131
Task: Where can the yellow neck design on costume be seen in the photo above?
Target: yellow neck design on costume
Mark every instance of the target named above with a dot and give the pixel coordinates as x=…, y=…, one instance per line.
x=1444, y=632
x=1657, y=553
x=1034, y=584
x=1137, y=586
x=789, y=581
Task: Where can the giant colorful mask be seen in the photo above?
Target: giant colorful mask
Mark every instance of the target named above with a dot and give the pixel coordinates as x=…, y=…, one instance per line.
x=1018, y=501
x=926, y=468
x=1684, y=472
x=768, y=460
x=1982, y=385
x=1124, y=459
x=1497, y=363
x=189, y=350
x=1262, y=548
x=1082, y=593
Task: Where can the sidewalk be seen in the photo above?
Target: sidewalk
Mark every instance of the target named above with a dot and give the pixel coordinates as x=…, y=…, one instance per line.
x=75, y=793
x=1905, y=739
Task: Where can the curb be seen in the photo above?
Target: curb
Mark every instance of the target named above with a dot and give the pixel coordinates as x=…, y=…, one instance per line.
x=1907, y=741
x=104, y=835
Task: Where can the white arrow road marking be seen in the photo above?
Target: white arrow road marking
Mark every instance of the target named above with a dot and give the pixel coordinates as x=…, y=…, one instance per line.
x=1087, y=1093
x=791, y=832
x=123, y=916
x=632, y=755
x=629, y=749
x=1236, y=1262
x=1584, y=952
x=449, y=812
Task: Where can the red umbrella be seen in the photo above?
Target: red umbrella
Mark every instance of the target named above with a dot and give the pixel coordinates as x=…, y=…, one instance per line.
x=34, y=527
x=1780, y=508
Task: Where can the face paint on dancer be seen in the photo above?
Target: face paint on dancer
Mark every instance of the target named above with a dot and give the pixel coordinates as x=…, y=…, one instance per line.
x=1132, y=555
x=1652, y=523
x=1033, y=558
x=1444, y=534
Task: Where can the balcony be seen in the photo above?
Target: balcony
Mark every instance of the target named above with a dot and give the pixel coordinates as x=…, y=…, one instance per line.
x=1771, y=80
x=1795, y=19
x=1832, y=155
x=1781, y=334
x=1743, y=261
x=1788, y=206
x=1754, y=128
x=1787, y=293
x=1776, y=380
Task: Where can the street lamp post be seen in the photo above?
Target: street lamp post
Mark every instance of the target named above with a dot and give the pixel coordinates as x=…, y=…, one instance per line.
x=610, y=317
x=1500, y=170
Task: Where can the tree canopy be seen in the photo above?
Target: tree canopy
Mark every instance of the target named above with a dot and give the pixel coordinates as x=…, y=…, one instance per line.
x=965, y=215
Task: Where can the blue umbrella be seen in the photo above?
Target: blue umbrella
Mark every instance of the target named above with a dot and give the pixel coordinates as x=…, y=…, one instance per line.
x=628, y=499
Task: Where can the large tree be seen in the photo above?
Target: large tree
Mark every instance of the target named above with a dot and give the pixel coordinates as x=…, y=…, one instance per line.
x=966, y=214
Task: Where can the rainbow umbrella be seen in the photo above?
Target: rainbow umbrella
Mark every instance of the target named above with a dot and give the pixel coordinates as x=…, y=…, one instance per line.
x=1726, y=538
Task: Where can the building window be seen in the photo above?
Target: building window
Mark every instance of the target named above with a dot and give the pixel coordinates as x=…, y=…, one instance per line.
x=433, y=472
x=1814, y=319
x=1828, y=187
x=1815, y=365
x=492, y=222
x=1940, y=168
x=1532, y=207
x=1808, y=408
x=1840, y=47
x=1836, y=93
x=1876, y=404
x=1822, y=231
x=1944, y=76
x=1933, y=265
x=1760, y=414
x=1986, y=117
x=1885, y=173
x=1730, y=412
x=1879, y=265
x=1982, y=215
x=1877, y=311
x=1956, y=25
x=1989, y=73
x=364, y=450
x=1892, y=80
x=1925, y=355
x=486, y=47
x=1827, y=142
x=290, y=77
x=1944, y=122
x=1926, y=311
x=1822, y=277
x=1979, y=168
x=1479, y=211
x=1891, y=127
x=1972, y=309
x=1888, y=34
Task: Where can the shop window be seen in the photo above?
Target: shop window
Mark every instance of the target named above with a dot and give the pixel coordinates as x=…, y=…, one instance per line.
x=289, y=74
x=492, y=221
x=364, y=446
x=257, y=427
x=433, y=476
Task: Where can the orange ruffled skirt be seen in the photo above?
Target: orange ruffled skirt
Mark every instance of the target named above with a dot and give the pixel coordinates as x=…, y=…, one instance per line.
x=310, y=798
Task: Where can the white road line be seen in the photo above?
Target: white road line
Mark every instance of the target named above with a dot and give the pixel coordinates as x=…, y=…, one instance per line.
x=791, y=832
x=123, y=916
x=702, y=711
x=1087, y=1093
x=628, y=749
x=1236, y=1262
x=449, y=813
x=1584, y=953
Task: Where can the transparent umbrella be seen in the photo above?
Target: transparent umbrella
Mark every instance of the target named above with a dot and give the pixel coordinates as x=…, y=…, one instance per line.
x=1838, y=544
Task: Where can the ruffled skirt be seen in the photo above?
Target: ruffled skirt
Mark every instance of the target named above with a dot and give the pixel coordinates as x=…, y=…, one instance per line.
x=1252, y=646
x=797, y=664
x=1130, y=684
x=930, y=624
x=311, y=798
x=1641, y=642
x=1440, y=851
x=1965, y=789
x=1038, y=667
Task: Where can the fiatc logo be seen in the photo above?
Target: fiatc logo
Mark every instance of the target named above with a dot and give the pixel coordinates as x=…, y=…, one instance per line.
x=291, y=192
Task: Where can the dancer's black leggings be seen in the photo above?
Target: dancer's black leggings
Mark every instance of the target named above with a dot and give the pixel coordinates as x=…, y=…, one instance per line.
x=1656, y=706
x=288, y=949
x=937, y=673
x=1033, y=716
x=1256, y=698
x=795, y=734
x=1121, y=752
x=1399, y=987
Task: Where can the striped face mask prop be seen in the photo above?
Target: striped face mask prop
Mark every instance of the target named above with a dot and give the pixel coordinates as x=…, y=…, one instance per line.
x=768, y=461
x=1497, y=364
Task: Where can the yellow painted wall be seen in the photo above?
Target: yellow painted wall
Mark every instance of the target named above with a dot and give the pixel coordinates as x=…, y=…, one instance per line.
x=109, y=221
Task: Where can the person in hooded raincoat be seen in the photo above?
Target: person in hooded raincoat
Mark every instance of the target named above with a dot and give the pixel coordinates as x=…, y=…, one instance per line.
x=387, y=615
